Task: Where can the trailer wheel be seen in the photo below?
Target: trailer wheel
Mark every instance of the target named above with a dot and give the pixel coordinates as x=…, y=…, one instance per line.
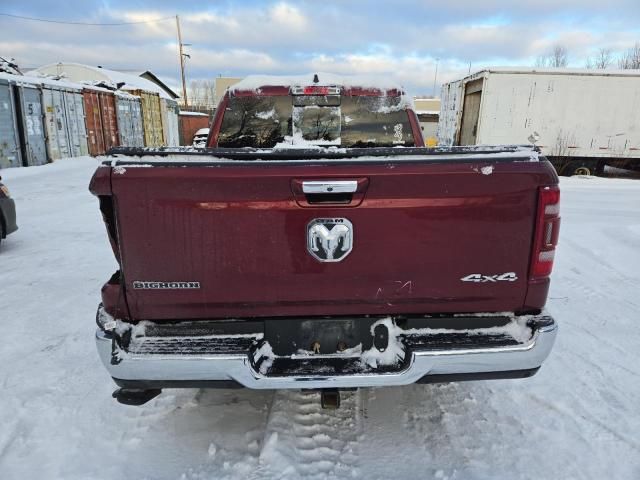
x=578, y=167
x=582, y=171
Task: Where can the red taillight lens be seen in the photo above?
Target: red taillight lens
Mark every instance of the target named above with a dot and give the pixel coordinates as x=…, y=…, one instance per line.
x=316, y=91
x=546, y=232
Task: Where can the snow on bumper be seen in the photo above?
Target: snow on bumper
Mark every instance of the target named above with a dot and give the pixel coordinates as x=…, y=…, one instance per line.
x=422, y=361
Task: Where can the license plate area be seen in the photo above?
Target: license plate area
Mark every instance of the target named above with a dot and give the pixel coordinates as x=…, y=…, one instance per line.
x=319, y=335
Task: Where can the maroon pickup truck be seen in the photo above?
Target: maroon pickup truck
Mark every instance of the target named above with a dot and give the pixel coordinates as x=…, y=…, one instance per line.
x=316, y=244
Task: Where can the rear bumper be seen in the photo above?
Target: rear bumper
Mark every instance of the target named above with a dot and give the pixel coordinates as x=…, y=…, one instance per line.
x=8, y=213
x=427, y=364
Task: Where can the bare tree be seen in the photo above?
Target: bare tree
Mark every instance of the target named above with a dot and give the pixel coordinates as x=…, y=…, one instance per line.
x=602, y=60
x=557, y=57
x=202, y=93
x=631, y=58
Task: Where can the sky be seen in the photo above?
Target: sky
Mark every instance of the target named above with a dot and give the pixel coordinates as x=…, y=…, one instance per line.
x=402, y=40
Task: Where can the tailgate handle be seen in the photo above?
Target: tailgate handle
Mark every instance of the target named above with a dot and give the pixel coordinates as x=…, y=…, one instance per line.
x=334, y=186
x=329, y=192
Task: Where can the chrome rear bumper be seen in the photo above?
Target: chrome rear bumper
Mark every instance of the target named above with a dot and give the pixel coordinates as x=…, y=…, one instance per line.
x=419, y=365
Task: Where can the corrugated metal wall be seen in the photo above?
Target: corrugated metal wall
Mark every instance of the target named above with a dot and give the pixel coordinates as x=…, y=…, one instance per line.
x=189, y=125
x=109, y=119
x=30, y=126
x=101, y=120
x=9, y=141
x=129, y=114
x=55, y=121
x=75, y=123
x=95, y=138
x=44, y=120
x=138, y=125
x=151, y=118
x=170, y=122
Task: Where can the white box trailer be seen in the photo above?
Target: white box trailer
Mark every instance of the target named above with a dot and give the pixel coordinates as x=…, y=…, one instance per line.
x=580, y=119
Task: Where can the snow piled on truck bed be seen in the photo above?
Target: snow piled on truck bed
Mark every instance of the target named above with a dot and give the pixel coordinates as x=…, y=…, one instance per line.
x=577, y=418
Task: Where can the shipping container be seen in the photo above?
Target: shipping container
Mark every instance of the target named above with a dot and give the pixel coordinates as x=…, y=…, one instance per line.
x=580, y=119
x=109, y=119
x=55, y=122
x=190, y=123
x=170, y=127
x=93, y=119
x=76, y=122
x=28, y=101
x=9, y=140
x=151, y=118
x=101, y=120
x=130, y=128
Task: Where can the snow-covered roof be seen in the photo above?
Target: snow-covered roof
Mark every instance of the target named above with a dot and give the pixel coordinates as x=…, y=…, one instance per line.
x=558, y=71
x=78, y=72
x=253, y=82
x=36, y=80
x=427, y=112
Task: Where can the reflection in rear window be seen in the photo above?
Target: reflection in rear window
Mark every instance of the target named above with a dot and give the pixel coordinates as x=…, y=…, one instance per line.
x=347, y=121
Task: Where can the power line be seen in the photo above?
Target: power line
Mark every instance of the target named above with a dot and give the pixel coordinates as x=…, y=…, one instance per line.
x=85, y=23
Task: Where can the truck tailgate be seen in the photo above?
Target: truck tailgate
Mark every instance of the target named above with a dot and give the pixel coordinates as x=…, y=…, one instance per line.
x=230, y=239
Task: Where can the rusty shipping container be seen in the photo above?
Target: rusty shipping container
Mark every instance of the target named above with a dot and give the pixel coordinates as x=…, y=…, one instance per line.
x=151, y=118
x=101, y=120
x=93, y=119
x=109, y=119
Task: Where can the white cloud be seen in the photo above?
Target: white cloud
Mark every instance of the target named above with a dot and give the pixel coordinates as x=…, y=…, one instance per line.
x=400, y=39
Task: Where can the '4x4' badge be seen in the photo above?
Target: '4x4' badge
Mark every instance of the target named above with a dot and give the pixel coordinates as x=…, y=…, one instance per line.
x=480, y=278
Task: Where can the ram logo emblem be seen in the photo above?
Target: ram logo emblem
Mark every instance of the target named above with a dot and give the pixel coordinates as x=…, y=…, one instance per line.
x=329, y=239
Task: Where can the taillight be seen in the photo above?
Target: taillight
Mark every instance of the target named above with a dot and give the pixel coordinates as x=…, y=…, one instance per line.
x=546, y=232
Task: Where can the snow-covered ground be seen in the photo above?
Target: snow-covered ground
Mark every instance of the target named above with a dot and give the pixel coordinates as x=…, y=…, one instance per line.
x=578, y=418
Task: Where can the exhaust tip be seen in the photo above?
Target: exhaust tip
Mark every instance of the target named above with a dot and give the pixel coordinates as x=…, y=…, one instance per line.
x=127, y=396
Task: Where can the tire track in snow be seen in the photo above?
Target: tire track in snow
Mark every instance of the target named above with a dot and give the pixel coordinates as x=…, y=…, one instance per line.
x=302, y=440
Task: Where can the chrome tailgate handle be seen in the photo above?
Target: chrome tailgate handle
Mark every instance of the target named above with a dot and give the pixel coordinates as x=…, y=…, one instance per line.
x=330, y=186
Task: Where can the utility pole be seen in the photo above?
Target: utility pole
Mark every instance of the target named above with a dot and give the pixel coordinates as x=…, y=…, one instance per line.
x=435, y=78
x=180, y=45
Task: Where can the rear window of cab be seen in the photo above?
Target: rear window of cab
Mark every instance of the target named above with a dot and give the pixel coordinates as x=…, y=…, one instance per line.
x=330, y=120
